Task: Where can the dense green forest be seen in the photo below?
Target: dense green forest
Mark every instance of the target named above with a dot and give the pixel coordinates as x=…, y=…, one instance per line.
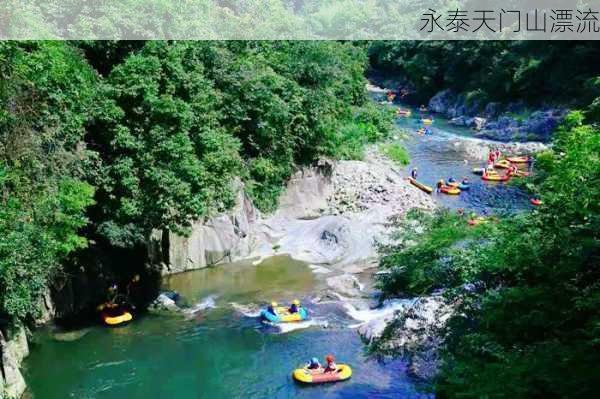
x=558, y=72
x=526, y=288
x=101, y=142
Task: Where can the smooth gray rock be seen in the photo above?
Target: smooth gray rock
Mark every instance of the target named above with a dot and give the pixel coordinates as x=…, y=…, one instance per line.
x=14, y=349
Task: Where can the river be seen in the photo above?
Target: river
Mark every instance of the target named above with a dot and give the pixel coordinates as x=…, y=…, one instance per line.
x=220, y=351
x=437, y=157
x=218, y=348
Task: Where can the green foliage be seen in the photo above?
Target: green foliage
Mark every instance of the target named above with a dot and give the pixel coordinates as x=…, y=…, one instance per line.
x=396, y=152
x=370, y=124
x=419, y=260
x=526, y=289
x=105, y=141
x=165, y=158
x=46, y=96
x=501, y=71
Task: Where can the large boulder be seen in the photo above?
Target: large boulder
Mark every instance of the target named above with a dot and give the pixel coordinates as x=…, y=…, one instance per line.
x=346, y=284
x=163, y=303
x=477, y=123
x=543, y=123
x=442, y=101
x=417, y=325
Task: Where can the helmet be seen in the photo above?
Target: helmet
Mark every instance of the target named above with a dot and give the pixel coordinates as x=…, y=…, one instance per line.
x=329, y=358
x=314, y=360
x=273, y=303
x=296, y=302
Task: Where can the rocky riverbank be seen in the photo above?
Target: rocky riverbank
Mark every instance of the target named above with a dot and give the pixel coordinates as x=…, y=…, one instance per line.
x=330, y=215
x=495, y=121
x=512, y=122
x=13, y=349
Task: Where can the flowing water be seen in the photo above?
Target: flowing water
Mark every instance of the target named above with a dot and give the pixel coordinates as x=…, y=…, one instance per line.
x=437, y=157
x=217, y=348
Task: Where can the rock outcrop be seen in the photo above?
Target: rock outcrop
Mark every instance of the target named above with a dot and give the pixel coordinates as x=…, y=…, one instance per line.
x=413, y=329
x=222, y=238
x=510, y=122
x=330, y=214
x=13, y=348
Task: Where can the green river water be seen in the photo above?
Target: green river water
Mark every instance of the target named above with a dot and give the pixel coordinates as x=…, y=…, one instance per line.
x=217, y=352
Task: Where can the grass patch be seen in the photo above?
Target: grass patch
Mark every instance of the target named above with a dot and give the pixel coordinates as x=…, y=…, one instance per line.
x=396, y=152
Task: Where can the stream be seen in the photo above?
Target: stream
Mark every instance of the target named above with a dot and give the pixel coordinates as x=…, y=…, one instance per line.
x=221, y=350
x=218, y=349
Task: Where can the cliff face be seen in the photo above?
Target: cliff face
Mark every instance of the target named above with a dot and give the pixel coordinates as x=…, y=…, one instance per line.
x=220, y=239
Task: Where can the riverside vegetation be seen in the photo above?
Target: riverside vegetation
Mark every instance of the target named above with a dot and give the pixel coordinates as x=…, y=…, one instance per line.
x=525, y=288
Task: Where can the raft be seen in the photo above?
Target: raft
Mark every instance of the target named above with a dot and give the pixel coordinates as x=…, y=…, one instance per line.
x=284, y=315
x=421, y=186
x=494, y=177
x=520, y=173
x=518, y=159
x=535, y=201
x=427, y=121
x=115, y=315
x=307, y=376
x=502, y=164
x=450, y=190
x=459, y=185
x=403, y=112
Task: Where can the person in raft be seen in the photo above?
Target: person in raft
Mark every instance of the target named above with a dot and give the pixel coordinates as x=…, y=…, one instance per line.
x=491, y=157
x=112, y=293
x=295, y=308
x=331, y=366
x=413, y=173
x=451, y=180
x=439, y=186
x=271, y=308
x=313, y=364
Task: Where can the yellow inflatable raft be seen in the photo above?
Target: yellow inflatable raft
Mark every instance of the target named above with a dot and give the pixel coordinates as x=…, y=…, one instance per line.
x=502, y=164
x=494, y=177
x=113, y=315
x=518, y=159
x=403, y=112
x=319, y=377
x=450, y=190
x=284, y=315
x=427, y=121
x=421, y=186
